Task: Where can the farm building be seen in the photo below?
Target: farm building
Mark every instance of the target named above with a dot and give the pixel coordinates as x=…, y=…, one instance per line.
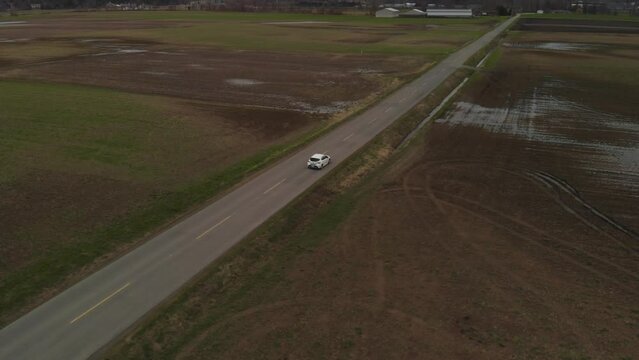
x=449, y=12
x=413, y=13
x=387, y=13
x=204, y=4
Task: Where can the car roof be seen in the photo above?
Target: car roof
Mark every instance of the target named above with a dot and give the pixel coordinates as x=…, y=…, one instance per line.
x=318, y=155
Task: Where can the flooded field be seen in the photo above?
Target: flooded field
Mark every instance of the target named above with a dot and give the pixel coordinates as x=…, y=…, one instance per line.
x=604, y=145
x=526, y=194
x=557, y=46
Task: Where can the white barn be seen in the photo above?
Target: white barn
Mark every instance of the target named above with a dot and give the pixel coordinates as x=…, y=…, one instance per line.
x=449, y=12
x=413, y=13
x=387, y=13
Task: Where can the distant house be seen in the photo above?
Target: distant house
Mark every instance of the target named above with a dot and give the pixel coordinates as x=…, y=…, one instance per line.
x=387, y=13
x=204, y=4
x=36, y=6
x=449, y=12
x=413, y=13
x=112, y=6
x=398, y=5
x=125, y=6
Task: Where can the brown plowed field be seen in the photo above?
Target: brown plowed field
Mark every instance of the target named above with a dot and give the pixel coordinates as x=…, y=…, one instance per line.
x=510, y=232
x=59, y=52
x=319, y=83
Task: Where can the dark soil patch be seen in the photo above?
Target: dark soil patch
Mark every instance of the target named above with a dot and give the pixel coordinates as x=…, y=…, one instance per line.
x=266, y=124
x=47, y=207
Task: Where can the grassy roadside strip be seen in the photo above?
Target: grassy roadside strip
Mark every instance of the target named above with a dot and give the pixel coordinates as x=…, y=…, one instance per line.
x=242, y=278
x=490, y=48
x=492, y=59
x=60, y=268
x=479, y=56
x=492, y=53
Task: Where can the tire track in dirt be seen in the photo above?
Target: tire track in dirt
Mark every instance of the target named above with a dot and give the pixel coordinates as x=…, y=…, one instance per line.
x=548, y=246
x=347, y=245
x=430, y=194
x=305, y=302
x=543, y=233
x=488, y=259
x=548, y=180
x=559, y=185
x=408, y=192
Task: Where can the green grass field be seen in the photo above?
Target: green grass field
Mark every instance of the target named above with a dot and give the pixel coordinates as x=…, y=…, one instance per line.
x=74, y=127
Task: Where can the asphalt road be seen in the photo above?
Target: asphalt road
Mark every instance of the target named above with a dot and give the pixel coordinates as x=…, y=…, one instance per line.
x=84, y=318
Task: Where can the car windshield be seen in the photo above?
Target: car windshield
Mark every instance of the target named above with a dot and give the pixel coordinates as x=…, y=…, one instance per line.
x=314, y=159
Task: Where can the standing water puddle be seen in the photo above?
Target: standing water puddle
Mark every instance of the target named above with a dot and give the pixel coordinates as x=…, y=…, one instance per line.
x=611, y=140
x=113, y=47
x=243, y=82
x=555, y=46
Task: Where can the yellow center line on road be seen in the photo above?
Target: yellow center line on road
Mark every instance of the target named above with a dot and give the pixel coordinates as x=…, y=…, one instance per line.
x=213, y=227
x=274, y=186
x=348, y=137
x=100, y=303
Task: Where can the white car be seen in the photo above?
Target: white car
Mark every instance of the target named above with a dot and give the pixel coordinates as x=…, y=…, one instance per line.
x=318, y=161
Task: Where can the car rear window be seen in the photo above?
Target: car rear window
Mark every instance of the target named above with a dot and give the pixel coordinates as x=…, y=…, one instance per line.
x=314, y=159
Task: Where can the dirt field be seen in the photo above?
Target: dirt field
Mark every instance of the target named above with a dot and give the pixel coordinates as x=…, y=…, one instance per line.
x=308, y=84
x=511, y=231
